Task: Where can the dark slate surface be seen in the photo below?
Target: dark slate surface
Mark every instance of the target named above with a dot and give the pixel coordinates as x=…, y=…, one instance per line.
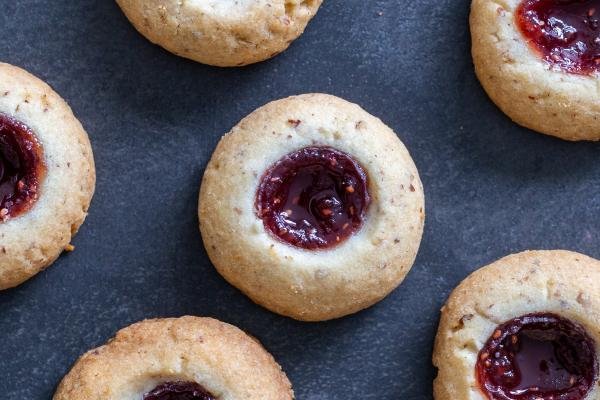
x=492, y=187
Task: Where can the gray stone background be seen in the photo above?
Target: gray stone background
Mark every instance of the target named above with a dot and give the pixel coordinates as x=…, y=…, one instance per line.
x=492, y=188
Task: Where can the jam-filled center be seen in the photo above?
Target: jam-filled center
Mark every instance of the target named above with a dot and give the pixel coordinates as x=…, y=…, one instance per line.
x=313, y=198
x=565, y=32
x=537, y=357
x=179, y=391
x=21, y=168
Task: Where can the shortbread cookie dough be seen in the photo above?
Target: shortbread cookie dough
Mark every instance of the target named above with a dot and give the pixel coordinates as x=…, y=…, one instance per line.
x=224, y=33
x=312, y=207
x=47, y=175
x=526, y=327
x=539, y=61
x=177, y=358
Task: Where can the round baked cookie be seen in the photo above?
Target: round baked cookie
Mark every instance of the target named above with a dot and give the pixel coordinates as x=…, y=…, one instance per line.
x=47, y=175
x=539, y=61
x=526, y=327
x=312, y=207
x=225, y=33
x=177, y=359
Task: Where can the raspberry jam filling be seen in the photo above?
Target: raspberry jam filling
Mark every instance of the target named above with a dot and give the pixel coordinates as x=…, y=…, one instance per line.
x=537, y=357
x=565, y=32
x=179, y=391
x=21, y=168
x=313, y=198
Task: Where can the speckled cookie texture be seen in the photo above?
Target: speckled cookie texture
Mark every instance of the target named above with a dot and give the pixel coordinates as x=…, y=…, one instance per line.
x=32, y=241
x=309, y=284
x=559, y=282
x=227, y=362
x=525, y=86
x=223, y=33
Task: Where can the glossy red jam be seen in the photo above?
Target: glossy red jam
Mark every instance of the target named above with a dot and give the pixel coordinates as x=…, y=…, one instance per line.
x=313, y=198
x=537, y=357
x=179, y=391
x=565, y=32
x=21, y=168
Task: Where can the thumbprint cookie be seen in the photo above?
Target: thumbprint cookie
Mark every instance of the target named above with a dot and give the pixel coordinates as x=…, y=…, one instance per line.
x=312, y=207
x=225, y=33
x=526, y=327
x=539, y=61
x=184, y=358
x=47, y=175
